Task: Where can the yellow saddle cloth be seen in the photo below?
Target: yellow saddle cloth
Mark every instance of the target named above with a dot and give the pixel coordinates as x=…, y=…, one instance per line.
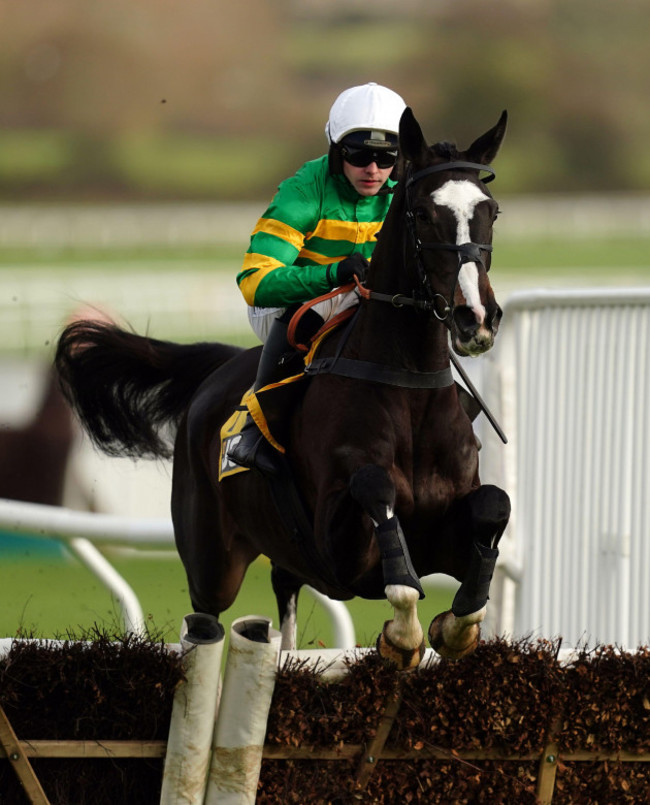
x=261, y=405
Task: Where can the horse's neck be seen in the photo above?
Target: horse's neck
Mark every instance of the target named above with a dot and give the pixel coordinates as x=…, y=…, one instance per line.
x=400, y=337
x=405, y=336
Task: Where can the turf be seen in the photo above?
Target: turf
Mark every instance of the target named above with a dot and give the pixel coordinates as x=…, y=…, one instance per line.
x=48, y=594
x=558, y=254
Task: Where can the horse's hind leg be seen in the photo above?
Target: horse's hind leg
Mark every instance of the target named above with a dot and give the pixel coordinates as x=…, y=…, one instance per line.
x=286, y=587
x=402, y=638
x=455, y=633
x=215, y=559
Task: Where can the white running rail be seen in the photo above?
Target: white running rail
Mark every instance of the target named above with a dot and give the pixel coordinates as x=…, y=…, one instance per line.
x=569, y=381
x=81, y=532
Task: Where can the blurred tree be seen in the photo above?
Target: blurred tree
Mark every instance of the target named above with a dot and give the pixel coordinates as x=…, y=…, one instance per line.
x=573, y=76
x=176, y=80
x=107, y=67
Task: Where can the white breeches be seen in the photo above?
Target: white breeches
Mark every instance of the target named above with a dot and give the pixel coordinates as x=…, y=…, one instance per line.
x=261, y=318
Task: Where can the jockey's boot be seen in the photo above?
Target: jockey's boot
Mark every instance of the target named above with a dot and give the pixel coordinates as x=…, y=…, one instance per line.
x=252, y=450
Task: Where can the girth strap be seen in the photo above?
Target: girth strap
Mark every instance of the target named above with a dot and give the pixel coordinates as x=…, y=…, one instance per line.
x=376, y=372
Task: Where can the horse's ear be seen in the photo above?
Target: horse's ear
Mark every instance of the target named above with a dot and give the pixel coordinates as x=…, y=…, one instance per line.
x=411, y=140
x=486, y=147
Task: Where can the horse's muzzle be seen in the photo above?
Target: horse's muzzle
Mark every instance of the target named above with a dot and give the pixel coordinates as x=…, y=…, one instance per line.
x=471, y=335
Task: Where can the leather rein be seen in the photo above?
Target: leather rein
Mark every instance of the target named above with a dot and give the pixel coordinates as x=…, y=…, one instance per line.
x=470, y=252
x=421, y=299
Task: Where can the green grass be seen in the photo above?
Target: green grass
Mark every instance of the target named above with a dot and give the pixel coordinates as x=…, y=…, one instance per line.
x=59, y=164
x=72, y=258
x=29, y=155
x=562, y=254
x=199, y=166
x=47, y=594
x=557, y=255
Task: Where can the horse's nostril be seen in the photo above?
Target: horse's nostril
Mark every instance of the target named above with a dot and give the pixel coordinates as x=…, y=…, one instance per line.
x=465, y=320
x=493, y=319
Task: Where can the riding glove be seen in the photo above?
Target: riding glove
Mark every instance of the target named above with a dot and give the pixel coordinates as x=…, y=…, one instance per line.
x=354, y=265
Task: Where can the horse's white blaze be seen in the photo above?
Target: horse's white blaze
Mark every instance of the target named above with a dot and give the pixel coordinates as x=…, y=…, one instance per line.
x=461, y=197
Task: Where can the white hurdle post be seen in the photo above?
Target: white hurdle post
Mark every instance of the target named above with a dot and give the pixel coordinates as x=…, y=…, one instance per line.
x=240, y=730
x=569, y=380
x=193, y=712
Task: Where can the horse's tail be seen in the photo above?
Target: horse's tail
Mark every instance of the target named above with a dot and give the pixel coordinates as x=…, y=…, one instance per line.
x=129, y=390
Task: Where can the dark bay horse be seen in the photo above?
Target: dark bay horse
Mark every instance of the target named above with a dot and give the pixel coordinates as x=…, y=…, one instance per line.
x=381, y=450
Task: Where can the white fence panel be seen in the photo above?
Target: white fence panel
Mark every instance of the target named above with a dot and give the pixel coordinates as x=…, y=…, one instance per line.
x=570, y=381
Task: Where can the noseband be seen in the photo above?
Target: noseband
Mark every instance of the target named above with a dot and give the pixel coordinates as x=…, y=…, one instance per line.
x=423, y=298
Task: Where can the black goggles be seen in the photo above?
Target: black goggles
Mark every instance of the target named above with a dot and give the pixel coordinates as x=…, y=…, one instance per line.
x=362, y=157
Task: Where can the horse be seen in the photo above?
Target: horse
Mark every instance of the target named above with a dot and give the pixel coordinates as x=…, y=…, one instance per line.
x=380, y=450
x=34, y=456
x=37, y=457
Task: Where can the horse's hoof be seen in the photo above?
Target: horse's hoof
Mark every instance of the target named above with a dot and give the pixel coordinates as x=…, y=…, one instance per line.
x=405, y=659
x=468, y=638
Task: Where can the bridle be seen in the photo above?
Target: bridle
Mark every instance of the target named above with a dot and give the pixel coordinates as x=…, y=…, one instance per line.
x=423, y=297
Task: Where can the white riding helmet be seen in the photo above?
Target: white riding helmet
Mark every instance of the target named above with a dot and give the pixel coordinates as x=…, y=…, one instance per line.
x=369, y=107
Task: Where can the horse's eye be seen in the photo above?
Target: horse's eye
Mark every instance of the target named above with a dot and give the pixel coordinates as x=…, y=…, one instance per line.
x=422, y=215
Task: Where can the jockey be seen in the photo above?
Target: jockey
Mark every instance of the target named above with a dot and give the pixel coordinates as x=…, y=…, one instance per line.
x=318, y=233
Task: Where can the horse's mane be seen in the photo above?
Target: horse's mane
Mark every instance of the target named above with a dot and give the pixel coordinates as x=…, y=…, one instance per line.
x=446, y=151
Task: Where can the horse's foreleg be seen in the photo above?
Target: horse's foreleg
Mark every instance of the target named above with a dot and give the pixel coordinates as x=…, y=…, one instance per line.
x=453, y=637
x=402, y=638
x=455, y=633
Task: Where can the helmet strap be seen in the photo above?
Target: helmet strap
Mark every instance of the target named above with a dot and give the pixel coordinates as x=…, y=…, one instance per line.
x=335, y=160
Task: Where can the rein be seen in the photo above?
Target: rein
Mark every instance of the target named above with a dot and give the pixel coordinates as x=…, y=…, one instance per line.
x=327, y=326
x=360, y=370
x=467, y=253
x=363, y=370
x=405, y=378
